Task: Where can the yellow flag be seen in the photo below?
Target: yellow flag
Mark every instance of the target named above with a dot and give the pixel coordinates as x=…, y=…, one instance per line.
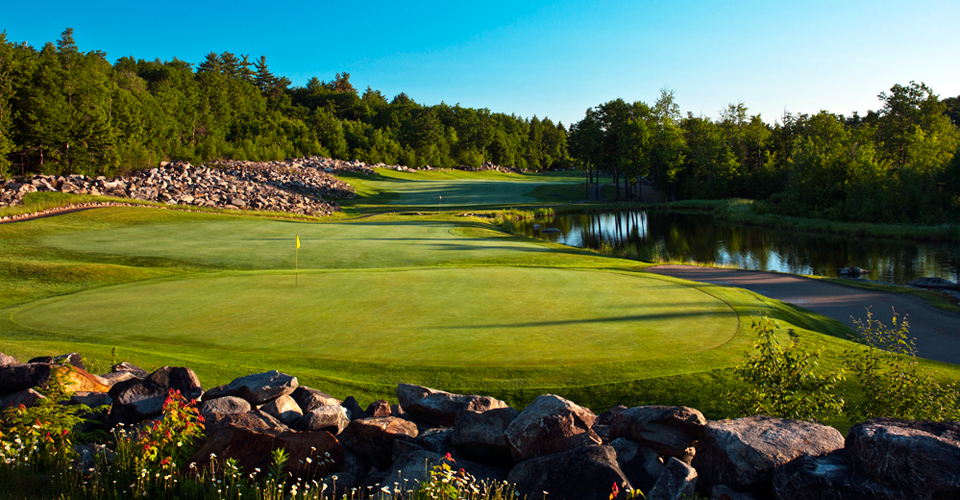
x=298, y=241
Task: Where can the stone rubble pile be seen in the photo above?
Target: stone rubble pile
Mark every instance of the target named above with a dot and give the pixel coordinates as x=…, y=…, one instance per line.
x=274, y=186
x=553, y=448
x=294, y=185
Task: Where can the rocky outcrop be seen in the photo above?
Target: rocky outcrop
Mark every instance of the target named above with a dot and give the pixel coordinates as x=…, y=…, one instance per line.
x=669, y=430
x=482, y=436
x=550, y=424
x=441, y=408
x=741, y=453
x=550, y=448
x=586, y=473
x=677, y=482
x=921, y=459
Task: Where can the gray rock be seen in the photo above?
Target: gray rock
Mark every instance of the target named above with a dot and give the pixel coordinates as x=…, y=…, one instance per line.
x=439, y=407
x=213, y=410
x=135, y=400
x=114, y=378
x=480, y=435
x=669, y=430
x=585, y=473
x=15, y=378
x=354, y=409
x=920, y=458
x=379, y=408
x=550, y=424
x=741, y=453
x=26, y=397
x=73, y=359
x=829, y=477
x=332, y=419
x=284, y=409
x=258, y=388
x=373, y=437
x=308, y=398
x=677, y=482
x=91, y=399
x=640, y=464
x=437, y=439
x=606, y=418
x=403, y=448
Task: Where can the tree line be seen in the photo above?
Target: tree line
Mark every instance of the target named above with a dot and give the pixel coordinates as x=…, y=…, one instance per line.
x=63, y=110
x=898, y=164
x=67, y=111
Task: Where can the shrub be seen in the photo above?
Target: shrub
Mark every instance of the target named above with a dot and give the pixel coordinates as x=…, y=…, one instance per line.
x=781, y=382
x=892, y=382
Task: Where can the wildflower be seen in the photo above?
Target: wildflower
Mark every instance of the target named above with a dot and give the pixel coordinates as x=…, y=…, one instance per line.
x=309, y=461
x=214, y=455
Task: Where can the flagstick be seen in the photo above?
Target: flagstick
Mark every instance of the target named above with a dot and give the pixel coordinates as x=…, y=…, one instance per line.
x=439, y=204
x=296, y=265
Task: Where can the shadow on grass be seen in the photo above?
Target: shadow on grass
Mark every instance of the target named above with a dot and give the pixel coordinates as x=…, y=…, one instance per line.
x=636, y=317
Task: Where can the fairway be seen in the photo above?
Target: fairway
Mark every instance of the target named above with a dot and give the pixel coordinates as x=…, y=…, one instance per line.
x=425, y=189
x=485, y=316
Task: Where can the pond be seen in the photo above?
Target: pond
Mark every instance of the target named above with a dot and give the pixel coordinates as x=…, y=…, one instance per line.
x=699, y=238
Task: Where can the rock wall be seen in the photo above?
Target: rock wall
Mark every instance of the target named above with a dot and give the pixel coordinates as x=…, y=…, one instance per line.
x=553, y=447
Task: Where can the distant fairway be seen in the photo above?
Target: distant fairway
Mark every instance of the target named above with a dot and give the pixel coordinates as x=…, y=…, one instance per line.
x=483, y=316
x=458, y=188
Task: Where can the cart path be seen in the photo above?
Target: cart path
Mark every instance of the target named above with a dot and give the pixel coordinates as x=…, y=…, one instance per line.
x=937, y=331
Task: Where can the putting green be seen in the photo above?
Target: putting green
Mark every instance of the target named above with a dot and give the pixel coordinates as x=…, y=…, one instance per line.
x=481, y=316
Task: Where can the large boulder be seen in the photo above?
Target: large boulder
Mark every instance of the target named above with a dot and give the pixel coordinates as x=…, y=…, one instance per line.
x=436, y=439
x=918, y=457
x=214, y=410
x=249, y=438
x=481, y=435
x=135, y=400
x=439, y=407
x=640, y=464
x=354, y=409
x=373, y=437
x=78, y=379
x=258, y=388
x=741, y=453
x=26, y=397
x=584, y=473
x=284, y=409
x=308, y=399
x=550, y=424
x=414, y=468
x=332, y=419
x=828, y=477
x=669, y=430
x=677, y=482
x=19, y=377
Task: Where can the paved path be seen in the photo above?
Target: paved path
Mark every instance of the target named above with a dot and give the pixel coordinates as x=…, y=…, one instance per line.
x=937, y=331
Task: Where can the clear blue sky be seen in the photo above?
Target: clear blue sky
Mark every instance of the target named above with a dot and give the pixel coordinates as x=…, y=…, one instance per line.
x=543, y=58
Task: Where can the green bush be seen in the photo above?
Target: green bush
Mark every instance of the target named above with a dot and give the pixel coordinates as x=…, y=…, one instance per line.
x=781, y=382
x=891, y=380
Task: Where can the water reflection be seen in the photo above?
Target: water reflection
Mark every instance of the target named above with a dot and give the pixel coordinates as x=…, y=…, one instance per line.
x=700, y=238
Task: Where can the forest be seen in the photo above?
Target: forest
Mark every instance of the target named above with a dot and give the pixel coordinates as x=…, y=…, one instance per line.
x=63, y=110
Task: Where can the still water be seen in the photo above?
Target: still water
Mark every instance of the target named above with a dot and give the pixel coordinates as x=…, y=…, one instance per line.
x=701, y=238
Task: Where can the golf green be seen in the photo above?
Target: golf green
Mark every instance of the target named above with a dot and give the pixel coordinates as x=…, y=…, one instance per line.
x=484, y=316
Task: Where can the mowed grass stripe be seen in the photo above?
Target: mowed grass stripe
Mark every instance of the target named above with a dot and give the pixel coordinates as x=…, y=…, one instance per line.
x=247, y=243
x=484, y=316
